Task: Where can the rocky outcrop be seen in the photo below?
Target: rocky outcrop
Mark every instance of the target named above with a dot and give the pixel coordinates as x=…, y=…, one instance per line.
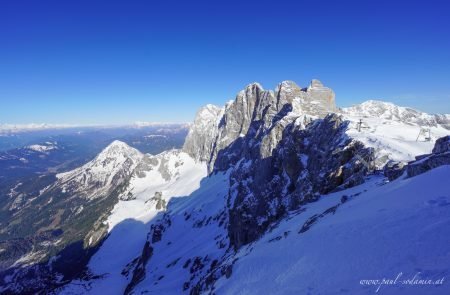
x=393, y=170
x=442, y=145
x=440, y=156
x=200, y=139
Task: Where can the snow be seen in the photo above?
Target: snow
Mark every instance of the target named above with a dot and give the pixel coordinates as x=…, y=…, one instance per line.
x=399, y=227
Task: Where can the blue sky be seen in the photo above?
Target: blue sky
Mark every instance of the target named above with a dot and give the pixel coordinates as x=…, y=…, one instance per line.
x=115, y=62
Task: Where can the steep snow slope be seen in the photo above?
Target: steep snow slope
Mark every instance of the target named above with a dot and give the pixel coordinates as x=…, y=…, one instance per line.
x=394, y=131
x=162, y=177
x=378, y=231
x=381, y=231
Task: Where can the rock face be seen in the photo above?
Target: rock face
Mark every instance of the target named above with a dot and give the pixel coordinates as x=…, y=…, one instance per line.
x=282, y=152
x=262, y=113
x=199, y=141
x=306, y=163
x=440, y=156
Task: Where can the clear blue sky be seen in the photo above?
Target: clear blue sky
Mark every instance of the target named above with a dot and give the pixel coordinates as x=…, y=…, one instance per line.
x=83, y=62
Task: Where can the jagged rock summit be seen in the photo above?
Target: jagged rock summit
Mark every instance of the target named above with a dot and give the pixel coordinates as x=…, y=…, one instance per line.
x=256, y=113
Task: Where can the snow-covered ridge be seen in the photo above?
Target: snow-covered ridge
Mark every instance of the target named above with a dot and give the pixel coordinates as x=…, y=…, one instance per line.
x=390, y=111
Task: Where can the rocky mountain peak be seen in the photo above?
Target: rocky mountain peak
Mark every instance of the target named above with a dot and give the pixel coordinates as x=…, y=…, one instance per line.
x=110, y=168
x=315, y=84
x=258, y=115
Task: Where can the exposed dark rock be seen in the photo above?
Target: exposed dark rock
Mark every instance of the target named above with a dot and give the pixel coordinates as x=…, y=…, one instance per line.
x=428, y=163
x=442, y=145
x=393, y=170
x=139, y=271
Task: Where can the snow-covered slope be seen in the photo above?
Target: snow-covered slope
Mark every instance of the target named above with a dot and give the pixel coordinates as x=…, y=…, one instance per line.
x=394, y=131
x=382, y=230
x=373, y=231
